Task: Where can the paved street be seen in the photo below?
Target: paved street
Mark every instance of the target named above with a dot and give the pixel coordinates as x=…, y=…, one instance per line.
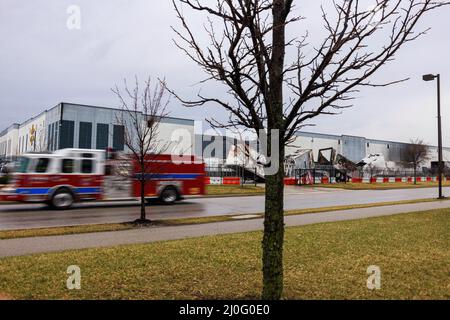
x=26, y=246
x=38, y=216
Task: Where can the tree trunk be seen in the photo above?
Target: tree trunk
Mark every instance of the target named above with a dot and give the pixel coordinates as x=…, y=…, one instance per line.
x=415, y=174
x=274, y=235
x=143, y=213
x=274, y=206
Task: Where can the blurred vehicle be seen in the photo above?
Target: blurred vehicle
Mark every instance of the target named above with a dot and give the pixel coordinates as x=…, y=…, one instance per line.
x=74, y=175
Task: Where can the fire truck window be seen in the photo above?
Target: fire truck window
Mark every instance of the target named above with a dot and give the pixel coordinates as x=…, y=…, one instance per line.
x=42, y=165
x=22, y=165
x=87, y=155
x=68, y=166
x=87, y=166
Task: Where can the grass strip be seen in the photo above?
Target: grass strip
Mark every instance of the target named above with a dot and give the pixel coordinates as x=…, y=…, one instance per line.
x=322, y=261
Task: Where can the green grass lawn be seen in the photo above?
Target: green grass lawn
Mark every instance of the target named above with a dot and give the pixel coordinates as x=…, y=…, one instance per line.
x=380, y=186
x=222, y=190
x=323, y=261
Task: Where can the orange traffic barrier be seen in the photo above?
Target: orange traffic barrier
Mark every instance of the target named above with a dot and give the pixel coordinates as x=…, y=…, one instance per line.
x=231, y=181
x=290, y=181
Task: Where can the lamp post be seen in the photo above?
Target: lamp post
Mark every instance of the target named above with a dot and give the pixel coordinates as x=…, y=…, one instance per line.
x=432, y=77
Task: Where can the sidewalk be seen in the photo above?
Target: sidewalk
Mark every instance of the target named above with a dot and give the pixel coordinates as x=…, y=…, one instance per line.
x=26, y=246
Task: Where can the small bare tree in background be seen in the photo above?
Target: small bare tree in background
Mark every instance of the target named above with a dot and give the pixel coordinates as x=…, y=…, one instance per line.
x=371, y=168
x=415, y=154
x=141, y=114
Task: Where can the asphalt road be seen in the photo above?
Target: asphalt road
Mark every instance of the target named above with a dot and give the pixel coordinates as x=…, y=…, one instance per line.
x=24, y=216
x=26, y=246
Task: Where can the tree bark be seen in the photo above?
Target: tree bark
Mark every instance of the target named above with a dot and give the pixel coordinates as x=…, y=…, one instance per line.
x=143, y=213
x=274, y=206
x=415, y=174
x=274, y=235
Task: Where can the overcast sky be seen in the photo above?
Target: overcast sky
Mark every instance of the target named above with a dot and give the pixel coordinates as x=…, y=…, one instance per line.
x=43, y=63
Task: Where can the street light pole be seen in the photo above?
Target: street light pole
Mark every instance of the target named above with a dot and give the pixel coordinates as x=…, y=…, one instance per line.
x=431, y=77
x=441, y=160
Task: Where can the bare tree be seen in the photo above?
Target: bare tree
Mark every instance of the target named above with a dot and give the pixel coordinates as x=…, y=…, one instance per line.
x=415, y=154
x=371, y=168
x=247, y=53
x=141, y=114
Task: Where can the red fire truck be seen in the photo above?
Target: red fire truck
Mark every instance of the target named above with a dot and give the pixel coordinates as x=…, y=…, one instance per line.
x=73, y=175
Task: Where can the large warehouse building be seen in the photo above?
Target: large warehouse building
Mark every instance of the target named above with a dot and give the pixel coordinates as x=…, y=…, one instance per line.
x=356, y=148
x=69, y=125
x=311, y=144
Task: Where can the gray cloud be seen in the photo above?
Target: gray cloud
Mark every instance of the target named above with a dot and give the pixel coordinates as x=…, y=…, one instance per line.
x=43, y=63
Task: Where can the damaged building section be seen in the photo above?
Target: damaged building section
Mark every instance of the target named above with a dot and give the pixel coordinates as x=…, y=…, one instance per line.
x=315, y=157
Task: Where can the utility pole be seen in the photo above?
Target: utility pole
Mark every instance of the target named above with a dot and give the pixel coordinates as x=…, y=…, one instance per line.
x=441, y=160
x=431, y=77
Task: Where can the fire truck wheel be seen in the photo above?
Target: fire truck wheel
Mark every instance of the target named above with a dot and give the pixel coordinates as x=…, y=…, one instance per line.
x=62, y=199
x=169, y=195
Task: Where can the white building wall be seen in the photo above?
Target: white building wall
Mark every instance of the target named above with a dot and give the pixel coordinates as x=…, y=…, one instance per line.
x=377, y=148
x=180, y=134
x=24, y=143
x=12, y=142
x=9, y=140
x=434, y=154
x=16, y=140
x=3, y=143
x=314, y=143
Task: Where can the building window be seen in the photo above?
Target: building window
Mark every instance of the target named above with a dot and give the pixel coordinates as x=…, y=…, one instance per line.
x=119, y=138
x=85, y=135
x=56, y=135
x=388, y=146
x=66, y=134
x=49, y=138
x=368, y=145
x=52, y=137
x=102, y=136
